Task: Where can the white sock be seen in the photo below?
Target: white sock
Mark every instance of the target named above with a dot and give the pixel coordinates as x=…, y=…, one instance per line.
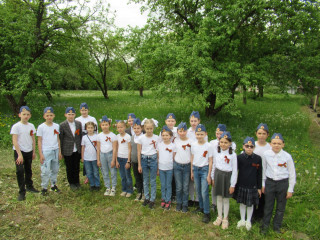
x=243, y=212
x=249, y=213
x=226, y=207
x=219, y=206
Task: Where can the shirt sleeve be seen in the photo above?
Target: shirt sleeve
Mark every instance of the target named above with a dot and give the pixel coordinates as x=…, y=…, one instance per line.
x=292, y=174
x=39, y=132
x=14, y=129
x=83, y=142
x=234, y=170
x=259, y=174
x=213, y=166
x=264, y=166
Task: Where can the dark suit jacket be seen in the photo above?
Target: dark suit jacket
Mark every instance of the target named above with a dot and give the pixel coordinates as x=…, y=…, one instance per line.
x=67, y=139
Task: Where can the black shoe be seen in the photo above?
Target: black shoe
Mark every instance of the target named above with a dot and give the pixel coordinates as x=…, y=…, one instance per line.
x=78, y=185
x=190, y=203
x=213, y=207
x=32, y=189
x=178, y=207
x=196, y=203
x=276, y=229
x=73, y=187
x=146, y=202
x=55, y=189
x=21, y=197
x=206, y=218
x=173, y=199
x=198, y=210
x=185, y=209
x=97, y=188
x=151, y=205
x=92, y=188
x=44, y=192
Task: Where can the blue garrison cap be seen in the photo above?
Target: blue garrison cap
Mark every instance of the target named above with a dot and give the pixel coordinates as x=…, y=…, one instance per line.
x=249, y=140
x=263, y=126
x=70, y=110
x=104, y=119
x=277, y=136
x=48, y=110
x=183, y=126
x=165, y=128
x=226, y=134
x=221, y=127
x=201, y=128
x=171, y=116
x=136, y=121
x=131, y=115
x=84, y=105
x=195, y=114
x=24, y=108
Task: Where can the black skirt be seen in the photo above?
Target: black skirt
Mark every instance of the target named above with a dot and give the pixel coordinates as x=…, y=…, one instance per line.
x=222, y=183
x=246, y=196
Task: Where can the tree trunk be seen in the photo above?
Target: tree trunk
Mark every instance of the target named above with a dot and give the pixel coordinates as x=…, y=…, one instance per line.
x=244, y=96
x=260, y=88
x=141, y=91
x=12, y=103
x=49, y=96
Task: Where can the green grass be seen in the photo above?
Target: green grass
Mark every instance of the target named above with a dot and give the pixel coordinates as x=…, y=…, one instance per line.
x=86, y=215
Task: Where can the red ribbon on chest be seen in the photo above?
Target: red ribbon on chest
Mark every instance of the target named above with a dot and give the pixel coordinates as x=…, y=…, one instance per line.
x=170, y=150
x=55, y=132
x=123, y=141
x=31, y=132
x=205, y=153
x=226, y=159
x=154, y=143
x=282, y=165
x=184, y=146
x=255, y=165
x=94, y=143
x=108, y=138
x=77, y=132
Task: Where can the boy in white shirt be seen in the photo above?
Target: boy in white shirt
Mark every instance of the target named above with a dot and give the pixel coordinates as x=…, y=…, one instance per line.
x=23, y=140
x=49, y=151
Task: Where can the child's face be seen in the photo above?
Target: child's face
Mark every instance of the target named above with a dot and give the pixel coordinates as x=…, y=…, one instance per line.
x=121, y=128
x=24, y=116
x=200, y=136
x=137, y=129
x=170, y=122
x=194, y=122
x=149, y=129
x=182, y=133
x=248, y=148
x=105, y=126
x=130, y=122
x=90, y=129
x=84, y=112
x=277, y=145
x=48, y=117
x=218, y=134
x=165, y=136
x=224, y=144
x=262, y=135
x=70, y=116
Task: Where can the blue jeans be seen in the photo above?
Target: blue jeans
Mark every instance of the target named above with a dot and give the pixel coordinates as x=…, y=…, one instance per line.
x=92, y=172
x=106, y=159
x=200, y=175
x=149, y=166
x=49, y=168
x=166, y=184
x=182, y=178
x=125, y=174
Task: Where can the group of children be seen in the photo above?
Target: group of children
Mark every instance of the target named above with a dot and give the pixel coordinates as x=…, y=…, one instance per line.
x=183, y=158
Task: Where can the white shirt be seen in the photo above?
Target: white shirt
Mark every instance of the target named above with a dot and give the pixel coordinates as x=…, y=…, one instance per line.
x=192, y=135
x=85, y=120
x=174, y=136
x=260, y=150
x=215, y=143
x=201, y=154
x=25, y=133
x=226, y=162
x=72, y=126
x=106, y=141
x=123, y=148
x=166, y=155
x=49, y=136
x=148, y=144
x=183, y=151
x=278, y=166
x=90, y=152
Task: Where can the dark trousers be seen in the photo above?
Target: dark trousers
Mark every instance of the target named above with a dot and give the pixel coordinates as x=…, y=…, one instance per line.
x=73, y=167
x=275, y=191
x=138, y=177
x=24, y=171
x=258, y=210
x=173, y=187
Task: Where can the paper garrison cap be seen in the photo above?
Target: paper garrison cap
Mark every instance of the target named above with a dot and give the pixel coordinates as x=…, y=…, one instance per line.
x=221, y=127
x=171, y=116
x=84, y=105
x=136, y=121
x=195, y=114
x=183, y=126
x=249, y=140
x=277, y=136
x=131, y=115
x=201, y=128
x=165, y=128
x=48, y=110
x=70, y=110
x=263, y=126
x=104, y=119
x=24, y=108
x=226, y=135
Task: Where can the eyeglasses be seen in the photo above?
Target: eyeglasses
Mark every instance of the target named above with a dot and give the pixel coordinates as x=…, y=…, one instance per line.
x=249, y=146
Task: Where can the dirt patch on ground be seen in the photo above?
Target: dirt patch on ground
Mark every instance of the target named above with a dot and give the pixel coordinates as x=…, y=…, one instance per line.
x=314, y=129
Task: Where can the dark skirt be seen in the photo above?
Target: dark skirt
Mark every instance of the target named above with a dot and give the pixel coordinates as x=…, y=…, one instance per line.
x=222, y=183
x=246, y=196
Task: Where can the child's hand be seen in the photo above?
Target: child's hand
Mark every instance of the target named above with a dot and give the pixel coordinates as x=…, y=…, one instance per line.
x=289, y=195
x=33, y=156
x=231, y=190
x=60, y=156
x=262, y=190
x=19, y=160
x=212, y=183
x=81, y=160
x=209, y=180
x=41, y=158
x=140, y=169
x=191, y=176
x=259, y=191
x=128, y=165
x=113, y=164
x=117, y=164
x=98, y=163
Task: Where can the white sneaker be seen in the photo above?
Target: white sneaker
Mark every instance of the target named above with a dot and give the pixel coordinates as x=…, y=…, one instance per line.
x=142, y=198
x=123, y=194
x=128, y=195
x=138, y=197
x=113, y=192
x=241, y=223
x=107, y=192
x=248, y=225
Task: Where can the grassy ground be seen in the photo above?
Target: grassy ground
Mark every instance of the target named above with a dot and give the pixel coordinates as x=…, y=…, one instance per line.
x=86, y=215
